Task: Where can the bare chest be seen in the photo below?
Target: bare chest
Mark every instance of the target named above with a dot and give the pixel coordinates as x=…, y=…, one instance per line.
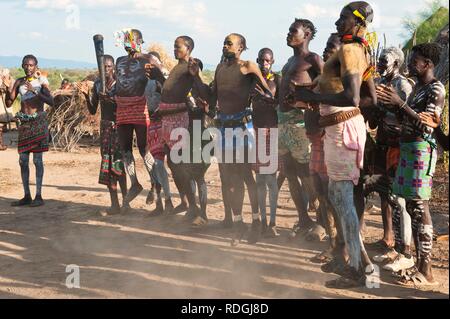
x=296, y=69
x=230, y=79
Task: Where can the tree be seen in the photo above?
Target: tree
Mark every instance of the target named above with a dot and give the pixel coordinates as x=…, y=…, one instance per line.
x=426, y=25
x=432, y=25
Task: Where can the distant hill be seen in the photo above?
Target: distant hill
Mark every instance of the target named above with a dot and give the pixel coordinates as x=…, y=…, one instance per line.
x=16, y=61
x=427, y=30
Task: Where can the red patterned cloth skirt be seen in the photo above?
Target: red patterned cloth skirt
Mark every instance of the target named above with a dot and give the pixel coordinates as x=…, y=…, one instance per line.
x=154, y=140
x=33, y=132
x=173, y=121
x=132, y=110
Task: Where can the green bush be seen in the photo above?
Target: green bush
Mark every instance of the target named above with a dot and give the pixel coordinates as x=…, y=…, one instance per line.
x=54, y=75
x=426, y=26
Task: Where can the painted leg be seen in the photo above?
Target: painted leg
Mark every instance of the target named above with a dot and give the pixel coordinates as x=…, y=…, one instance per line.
x=24, y=162
x=130, y=168
x=341, y=196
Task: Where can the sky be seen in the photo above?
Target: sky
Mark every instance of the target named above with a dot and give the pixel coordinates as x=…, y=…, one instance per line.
x=63, y=29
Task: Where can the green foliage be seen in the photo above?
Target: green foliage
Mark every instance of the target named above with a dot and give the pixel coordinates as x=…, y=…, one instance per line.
x=54, y=79
x=54, y=75
x=208, y=76
x=16, y=106
x=427, y=24
x=411, y=24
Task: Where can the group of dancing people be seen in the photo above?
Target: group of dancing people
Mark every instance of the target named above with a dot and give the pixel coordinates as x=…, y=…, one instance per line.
x=323, y=112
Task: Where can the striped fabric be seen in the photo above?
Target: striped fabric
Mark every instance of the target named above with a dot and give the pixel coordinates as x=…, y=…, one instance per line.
x=173, y=121
x=423, y=100
x=33, y=132
x=154, y=136
x=132, y=110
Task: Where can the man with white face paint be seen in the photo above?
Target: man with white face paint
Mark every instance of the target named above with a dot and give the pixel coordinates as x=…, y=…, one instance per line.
x=396, y=221
x=389, y=64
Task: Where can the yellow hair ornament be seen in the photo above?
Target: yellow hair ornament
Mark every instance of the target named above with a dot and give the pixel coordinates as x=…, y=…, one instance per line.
x=359, y=15
x=372, y=39
x=131, y=35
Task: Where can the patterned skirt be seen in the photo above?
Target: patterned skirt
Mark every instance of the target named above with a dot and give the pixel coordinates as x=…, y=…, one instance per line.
x=414, y=176
x=33, y=132
x=173, y=121
x=112, y=165
x=132, y=110
x=154, y=140
x=292, y=136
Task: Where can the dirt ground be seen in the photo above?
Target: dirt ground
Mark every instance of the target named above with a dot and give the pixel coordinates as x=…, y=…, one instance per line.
x=135, y=256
